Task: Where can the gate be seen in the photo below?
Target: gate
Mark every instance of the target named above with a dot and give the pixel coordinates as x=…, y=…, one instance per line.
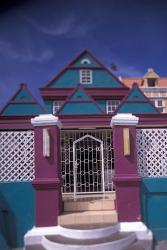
x=92, y=151
x=88, y=165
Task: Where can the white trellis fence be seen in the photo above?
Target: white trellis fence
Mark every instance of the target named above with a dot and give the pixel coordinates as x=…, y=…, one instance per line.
x=16, y=156
x=152, y=152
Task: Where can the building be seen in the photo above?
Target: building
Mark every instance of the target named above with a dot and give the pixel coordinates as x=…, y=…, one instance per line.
x=153, y=86
x=82, y=98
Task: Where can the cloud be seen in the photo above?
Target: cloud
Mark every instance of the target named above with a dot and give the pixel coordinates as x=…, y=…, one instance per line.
x=70, y=25
x=7, y=49
x=63, y=27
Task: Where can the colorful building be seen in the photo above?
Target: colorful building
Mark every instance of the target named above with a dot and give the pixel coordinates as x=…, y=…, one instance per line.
x=153, y=86
x=84, y=142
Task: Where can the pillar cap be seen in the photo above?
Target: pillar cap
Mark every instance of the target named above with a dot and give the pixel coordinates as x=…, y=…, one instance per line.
x=124, y=119
x=46, y=120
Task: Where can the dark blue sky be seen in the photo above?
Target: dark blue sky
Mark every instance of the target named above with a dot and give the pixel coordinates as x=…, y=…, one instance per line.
x=39, y=37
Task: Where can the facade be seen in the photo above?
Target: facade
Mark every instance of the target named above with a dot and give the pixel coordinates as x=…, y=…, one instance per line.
x=72, y=150
x=153, y=86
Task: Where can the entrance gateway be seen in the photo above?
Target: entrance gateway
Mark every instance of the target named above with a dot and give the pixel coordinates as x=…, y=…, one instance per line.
x=87, y=161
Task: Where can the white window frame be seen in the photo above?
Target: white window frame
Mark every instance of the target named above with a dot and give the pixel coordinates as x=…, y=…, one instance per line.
x=111, y=105
x=159, y=106
x=86, y=76
x=57, y=105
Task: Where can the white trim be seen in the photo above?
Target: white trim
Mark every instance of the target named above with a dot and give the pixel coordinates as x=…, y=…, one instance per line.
x=46, y=120
x=57, y=105
x=124, y=119
x=85, y=61
x=138, y=229
x=110, y=104
x=81, y=72
x=141, y=230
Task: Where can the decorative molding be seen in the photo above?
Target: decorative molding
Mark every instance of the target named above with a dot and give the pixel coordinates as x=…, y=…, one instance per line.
x=46, y=143
x=124, y=119
x=47, y=183
x=46, y=120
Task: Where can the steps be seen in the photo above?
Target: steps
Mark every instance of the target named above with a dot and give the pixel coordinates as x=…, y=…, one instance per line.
x=106, y=238
x=88, y=209
x=90, y=203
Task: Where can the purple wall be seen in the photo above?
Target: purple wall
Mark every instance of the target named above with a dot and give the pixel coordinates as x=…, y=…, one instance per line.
x=47, y=181
x=126, y=179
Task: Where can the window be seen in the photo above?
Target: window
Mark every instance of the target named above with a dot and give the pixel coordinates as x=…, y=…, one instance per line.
x=111, y=105
x=160, y=105
x=85, y=61
x=85, y=76
x=151, y=82
x=56, y=105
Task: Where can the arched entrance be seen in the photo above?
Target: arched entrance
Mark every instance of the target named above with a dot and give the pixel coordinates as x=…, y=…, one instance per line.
x=88, y=165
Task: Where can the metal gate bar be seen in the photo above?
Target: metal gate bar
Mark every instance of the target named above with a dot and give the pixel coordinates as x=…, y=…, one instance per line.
x=67, y=139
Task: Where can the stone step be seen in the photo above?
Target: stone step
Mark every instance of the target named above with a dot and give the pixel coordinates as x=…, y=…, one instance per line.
x=87, y=217
x=93, y=205
x=89, y=203
x=72, y=241
x=121, y=236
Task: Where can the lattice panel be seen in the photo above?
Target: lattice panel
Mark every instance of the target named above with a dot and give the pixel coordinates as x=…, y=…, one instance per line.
x=152, y=152
x=17, y=156
x=67, y=139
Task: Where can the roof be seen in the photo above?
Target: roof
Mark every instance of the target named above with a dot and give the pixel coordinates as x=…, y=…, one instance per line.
x=151, y=74
x=161, y=82
x=22, y=103
x=69, y=76
x=136, y=103
x=80, y=103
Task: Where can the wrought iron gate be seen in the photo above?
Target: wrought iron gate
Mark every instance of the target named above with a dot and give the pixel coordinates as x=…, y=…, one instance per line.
x=92, y=151
x=88, y=165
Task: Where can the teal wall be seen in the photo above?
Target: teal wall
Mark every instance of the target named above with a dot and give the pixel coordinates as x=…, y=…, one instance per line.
x=80, y=108
x=23, y=95
x=154, y=205
x=138, y=108
x=101, y=78
x=102, y=104
x=49, y=106
x=16, y=213
x=23, y=109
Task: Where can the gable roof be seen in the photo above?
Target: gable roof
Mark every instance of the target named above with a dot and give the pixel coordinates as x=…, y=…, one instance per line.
x=95, y=64
x=151, y=74
x=22, y=103
x=80, y=103
x=161, y=82
x=136, y=102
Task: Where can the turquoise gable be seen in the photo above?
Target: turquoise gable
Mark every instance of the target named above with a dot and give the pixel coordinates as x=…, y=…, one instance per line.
x=22, y=103
x=23, y=95
x=85, y=60
x=136, y=94
x=136, y=102
x=80, y=94
x=80, y=103
x=102, y=77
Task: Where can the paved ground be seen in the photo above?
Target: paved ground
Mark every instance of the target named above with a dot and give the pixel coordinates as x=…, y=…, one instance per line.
x=162, y=245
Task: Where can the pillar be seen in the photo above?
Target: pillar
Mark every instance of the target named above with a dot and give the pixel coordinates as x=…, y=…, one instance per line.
x=126, y=179
x=47, y=182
